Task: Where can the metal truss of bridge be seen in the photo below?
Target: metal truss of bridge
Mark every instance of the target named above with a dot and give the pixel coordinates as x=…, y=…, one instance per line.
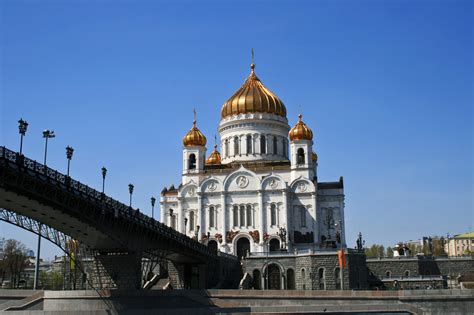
x=119, y=236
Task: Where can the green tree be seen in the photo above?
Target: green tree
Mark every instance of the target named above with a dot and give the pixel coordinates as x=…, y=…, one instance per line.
x=375, y=251
x=56, y=280
x=43, y=278
x=389, y=252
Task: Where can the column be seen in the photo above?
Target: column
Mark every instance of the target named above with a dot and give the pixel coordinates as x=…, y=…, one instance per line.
x=316, y=236
x=162, y=213
x=261, y=225
x=285, y=214
x=201, y=216
x=180, y=224
x=223, y=218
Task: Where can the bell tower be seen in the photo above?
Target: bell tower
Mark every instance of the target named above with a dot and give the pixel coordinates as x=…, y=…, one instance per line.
x=194, y=151
x=301, y=151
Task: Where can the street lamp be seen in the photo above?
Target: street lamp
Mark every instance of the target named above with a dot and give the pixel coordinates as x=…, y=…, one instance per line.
x=22, y=126
x=47, y=134
x=196, y=234
x=153, y=200
x=104, y=172
x=208, y=237
x=130, y=190
x=185, y=225
x=69, y=152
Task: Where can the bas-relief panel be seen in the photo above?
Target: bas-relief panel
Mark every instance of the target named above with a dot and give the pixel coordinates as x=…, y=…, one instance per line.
x=242, y=182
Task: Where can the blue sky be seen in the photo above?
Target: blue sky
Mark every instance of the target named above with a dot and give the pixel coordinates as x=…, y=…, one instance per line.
x=386, y=87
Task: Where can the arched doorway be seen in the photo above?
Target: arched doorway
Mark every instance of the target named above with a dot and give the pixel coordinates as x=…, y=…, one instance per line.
x=274, y=245
x=212, y=246
x=274, y=277
x=290, y=279
x=243, y=247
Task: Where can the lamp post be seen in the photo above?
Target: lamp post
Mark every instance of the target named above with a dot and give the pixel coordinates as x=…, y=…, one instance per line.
x=130, y=190
x=22, y=126
x=208, y=237
x=104, y=173
x=47, y=134
x=185, y=225
x=69, y=152
x=153, y=200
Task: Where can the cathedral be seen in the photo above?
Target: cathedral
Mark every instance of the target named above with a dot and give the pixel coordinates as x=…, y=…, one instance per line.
x=261, y=192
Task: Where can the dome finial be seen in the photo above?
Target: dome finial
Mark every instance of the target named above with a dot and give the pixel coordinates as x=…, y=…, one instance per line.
x=300, y=117
x=252, y=65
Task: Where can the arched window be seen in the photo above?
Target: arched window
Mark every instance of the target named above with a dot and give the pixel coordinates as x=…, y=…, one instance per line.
x=249, y=144
x=249, y=215
x=407, y=273
x=211, y=217
x=388, y=273
x=242, y=216
x=263, y=145
x=192, y=161
x=337, y=275
x=303, y=216
x=275, y=146
x=191, y=220
x=300, y=156
x=227, y=153
x=273, y=220
x=303, y=278
x=236, y=146
x=322, y=279
x=236, y=216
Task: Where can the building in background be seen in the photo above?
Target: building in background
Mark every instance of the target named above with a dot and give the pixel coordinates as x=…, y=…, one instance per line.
x=460, y=245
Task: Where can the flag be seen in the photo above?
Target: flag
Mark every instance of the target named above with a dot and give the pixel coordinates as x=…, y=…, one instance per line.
x=342, y=258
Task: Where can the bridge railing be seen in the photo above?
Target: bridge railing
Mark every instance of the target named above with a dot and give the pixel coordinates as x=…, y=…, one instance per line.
x=118, y=208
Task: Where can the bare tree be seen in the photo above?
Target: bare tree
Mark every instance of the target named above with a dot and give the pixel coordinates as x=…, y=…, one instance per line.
x=14, y=260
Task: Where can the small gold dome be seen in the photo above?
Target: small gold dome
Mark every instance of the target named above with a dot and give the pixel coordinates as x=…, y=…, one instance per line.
x=194, y=137
x=300, y=131
x=253, y=97
x=314, y=157
x=214, y=158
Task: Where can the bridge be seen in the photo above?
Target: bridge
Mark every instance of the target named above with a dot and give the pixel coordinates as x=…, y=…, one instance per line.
x=57, y=207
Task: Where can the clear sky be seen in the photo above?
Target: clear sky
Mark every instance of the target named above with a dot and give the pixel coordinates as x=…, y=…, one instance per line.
x=386, y=86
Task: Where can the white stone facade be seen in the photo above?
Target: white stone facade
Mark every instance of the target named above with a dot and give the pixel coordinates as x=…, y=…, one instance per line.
x=265, y=182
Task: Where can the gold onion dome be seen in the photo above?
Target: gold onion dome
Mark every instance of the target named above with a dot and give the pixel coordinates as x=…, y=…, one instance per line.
x=214, y=158
x=194, y=137
x=253, y=97
x=300, y=131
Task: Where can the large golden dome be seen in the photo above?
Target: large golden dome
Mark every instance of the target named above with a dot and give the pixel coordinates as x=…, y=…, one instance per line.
x=300, y=131
x=253, y=97
x=194, y=137
x=214, y=158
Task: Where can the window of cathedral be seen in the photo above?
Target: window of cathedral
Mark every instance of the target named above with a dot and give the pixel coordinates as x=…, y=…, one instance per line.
x=249, y=144
x=191, y=220
x=300, y=156
x=192, y=161
x=242, y=216
x=275, y=146
x=303, y=278
x=226, y=146
x=273, y=215
x=303, y=216
x=285, y=147
x=337, y=275
x=407, y=273
x=322, y=279
x=249, y=215
x=212, y=223
x=388, y=273
x=263, y=145
x=236, y=146
x=236, y=216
